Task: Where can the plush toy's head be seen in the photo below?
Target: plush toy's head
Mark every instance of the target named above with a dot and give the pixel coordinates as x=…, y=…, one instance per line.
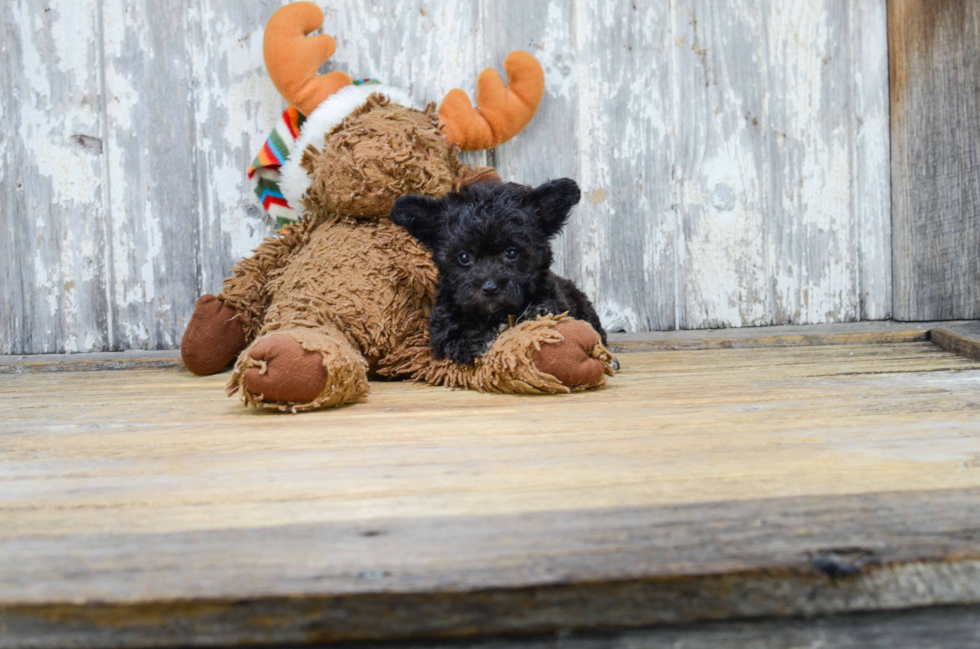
x=381, y=151
x=353, y=148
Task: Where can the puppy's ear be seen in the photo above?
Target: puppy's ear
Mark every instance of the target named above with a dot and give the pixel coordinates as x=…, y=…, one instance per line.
x=554, y=201
x=419, y=215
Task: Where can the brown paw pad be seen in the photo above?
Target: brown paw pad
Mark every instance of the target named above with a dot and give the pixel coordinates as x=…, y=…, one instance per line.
x=286, y=371
x=571, y=361
x=213, y=337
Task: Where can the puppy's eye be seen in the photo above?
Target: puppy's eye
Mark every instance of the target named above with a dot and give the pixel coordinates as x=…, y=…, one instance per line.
x=510, y=254
x=465, y=259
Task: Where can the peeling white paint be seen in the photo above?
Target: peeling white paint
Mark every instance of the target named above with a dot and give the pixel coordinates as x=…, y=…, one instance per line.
x=559, y=66
x=51, y=176
x=616, y=317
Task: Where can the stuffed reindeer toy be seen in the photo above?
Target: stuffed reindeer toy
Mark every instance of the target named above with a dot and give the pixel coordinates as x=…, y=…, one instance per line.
x=342, y=295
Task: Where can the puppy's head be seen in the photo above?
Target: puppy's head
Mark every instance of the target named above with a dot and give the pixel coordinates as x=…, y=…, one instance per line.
x=491, y=242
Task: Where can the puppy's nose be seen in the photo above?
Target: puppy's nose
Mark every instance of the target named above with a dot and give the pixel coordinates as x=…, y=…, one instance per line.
x=489, y=287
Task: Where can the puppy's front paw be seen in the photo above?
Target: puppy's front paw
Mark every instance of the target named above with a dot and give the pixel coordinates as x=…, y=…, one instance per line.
x=462, y=357
x=460, y=353
x=482, y=348
x=475, y=347
x=466, y=349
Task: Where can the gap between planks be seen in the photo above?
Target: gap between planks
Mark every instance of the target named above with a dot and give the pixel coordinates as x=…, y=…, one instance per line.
x=960, y=337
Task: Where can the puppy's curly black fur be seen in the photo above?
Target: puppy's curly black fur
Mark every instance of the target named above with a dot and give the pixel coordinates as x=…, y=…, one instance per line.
x=492, y=245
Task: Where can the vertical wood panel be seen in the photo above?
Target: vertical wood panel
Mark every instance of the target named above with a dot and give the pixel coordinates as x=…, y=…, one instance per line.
x=871, y=187
x=52, y=273
x=812, y=230
x=720, y=160
x=152, y=171
x=620, y=243
x=235, y=106
x=935, y=125
x=427, y=47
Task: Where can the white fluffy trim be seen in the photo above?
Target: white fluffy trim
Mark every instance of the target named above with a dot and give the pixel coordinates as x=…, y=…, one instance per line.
x=332, y=111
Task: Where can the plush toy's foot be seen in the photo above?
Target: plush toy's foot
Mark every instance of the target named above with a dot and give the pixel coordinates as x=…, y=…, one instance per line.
x=284, y=371
x=579, y=359
x=213, y=337
x=300, y=369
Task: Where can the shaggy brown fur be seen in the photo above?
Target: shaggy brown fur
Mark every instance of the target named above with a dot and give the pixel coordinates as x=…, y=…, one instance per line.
x=345, y=295
x=379, y=153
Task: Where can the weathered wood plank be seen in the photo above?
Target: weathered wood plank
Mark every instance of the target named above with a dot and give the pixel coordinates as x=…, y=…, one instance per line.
x=953, y=627
x=620, y=244
x=52, y=250
x=867, y=34
x=90, y=362
x=152, y=184
x=426, y=48
x=812, y=229
x=955, y=336
x=935, y=127
x=726, y=422
x=719, y=158
x=959, y=338
x=235, y=106
x=466, y=576
x=846, y=333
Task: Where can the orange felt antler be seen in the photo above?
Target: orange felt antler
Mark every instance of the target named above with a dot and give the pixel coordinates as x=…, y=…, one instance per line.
x=292, y=59
x=501, y=112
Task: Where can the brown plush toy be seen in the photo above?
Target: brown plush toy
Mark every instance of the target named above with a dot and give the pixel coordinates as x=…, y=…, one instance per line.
x=343, y=295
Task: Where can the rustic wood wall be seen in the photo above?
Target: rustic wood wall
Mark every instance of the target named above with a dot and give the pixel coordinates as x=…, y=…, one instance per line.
x=734, y=156
x=935, y=127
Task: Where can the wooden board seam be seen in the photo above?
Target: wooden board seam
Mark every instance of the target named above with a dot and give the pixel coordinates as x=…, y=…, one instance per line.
x=862, y=333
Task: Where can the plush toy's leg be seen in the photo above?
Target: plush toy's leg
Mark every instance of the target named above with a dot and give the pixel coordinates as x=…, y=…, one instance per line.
x=221, y=326
x=246, y=290
x=213, y=337
x=548, y=355
x=300, y=369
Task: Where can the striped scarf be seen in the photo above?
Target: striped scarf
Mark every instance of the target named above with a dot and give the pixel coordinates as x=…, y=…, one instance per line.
x=264, y=173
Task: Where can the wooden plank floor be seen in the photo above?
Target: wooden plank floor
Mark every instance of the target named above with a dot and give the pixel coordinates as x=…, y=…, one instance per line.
x=706, y=484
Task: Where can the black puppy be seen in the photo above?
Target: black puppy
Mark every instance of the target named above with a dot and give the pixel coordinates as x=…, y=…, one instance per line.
x=492, y=245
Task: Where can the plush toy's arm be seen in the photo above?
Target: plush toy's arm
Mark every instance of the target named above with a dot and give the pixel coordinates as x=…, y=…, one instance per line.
x=245, y=291
x=549, y=355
